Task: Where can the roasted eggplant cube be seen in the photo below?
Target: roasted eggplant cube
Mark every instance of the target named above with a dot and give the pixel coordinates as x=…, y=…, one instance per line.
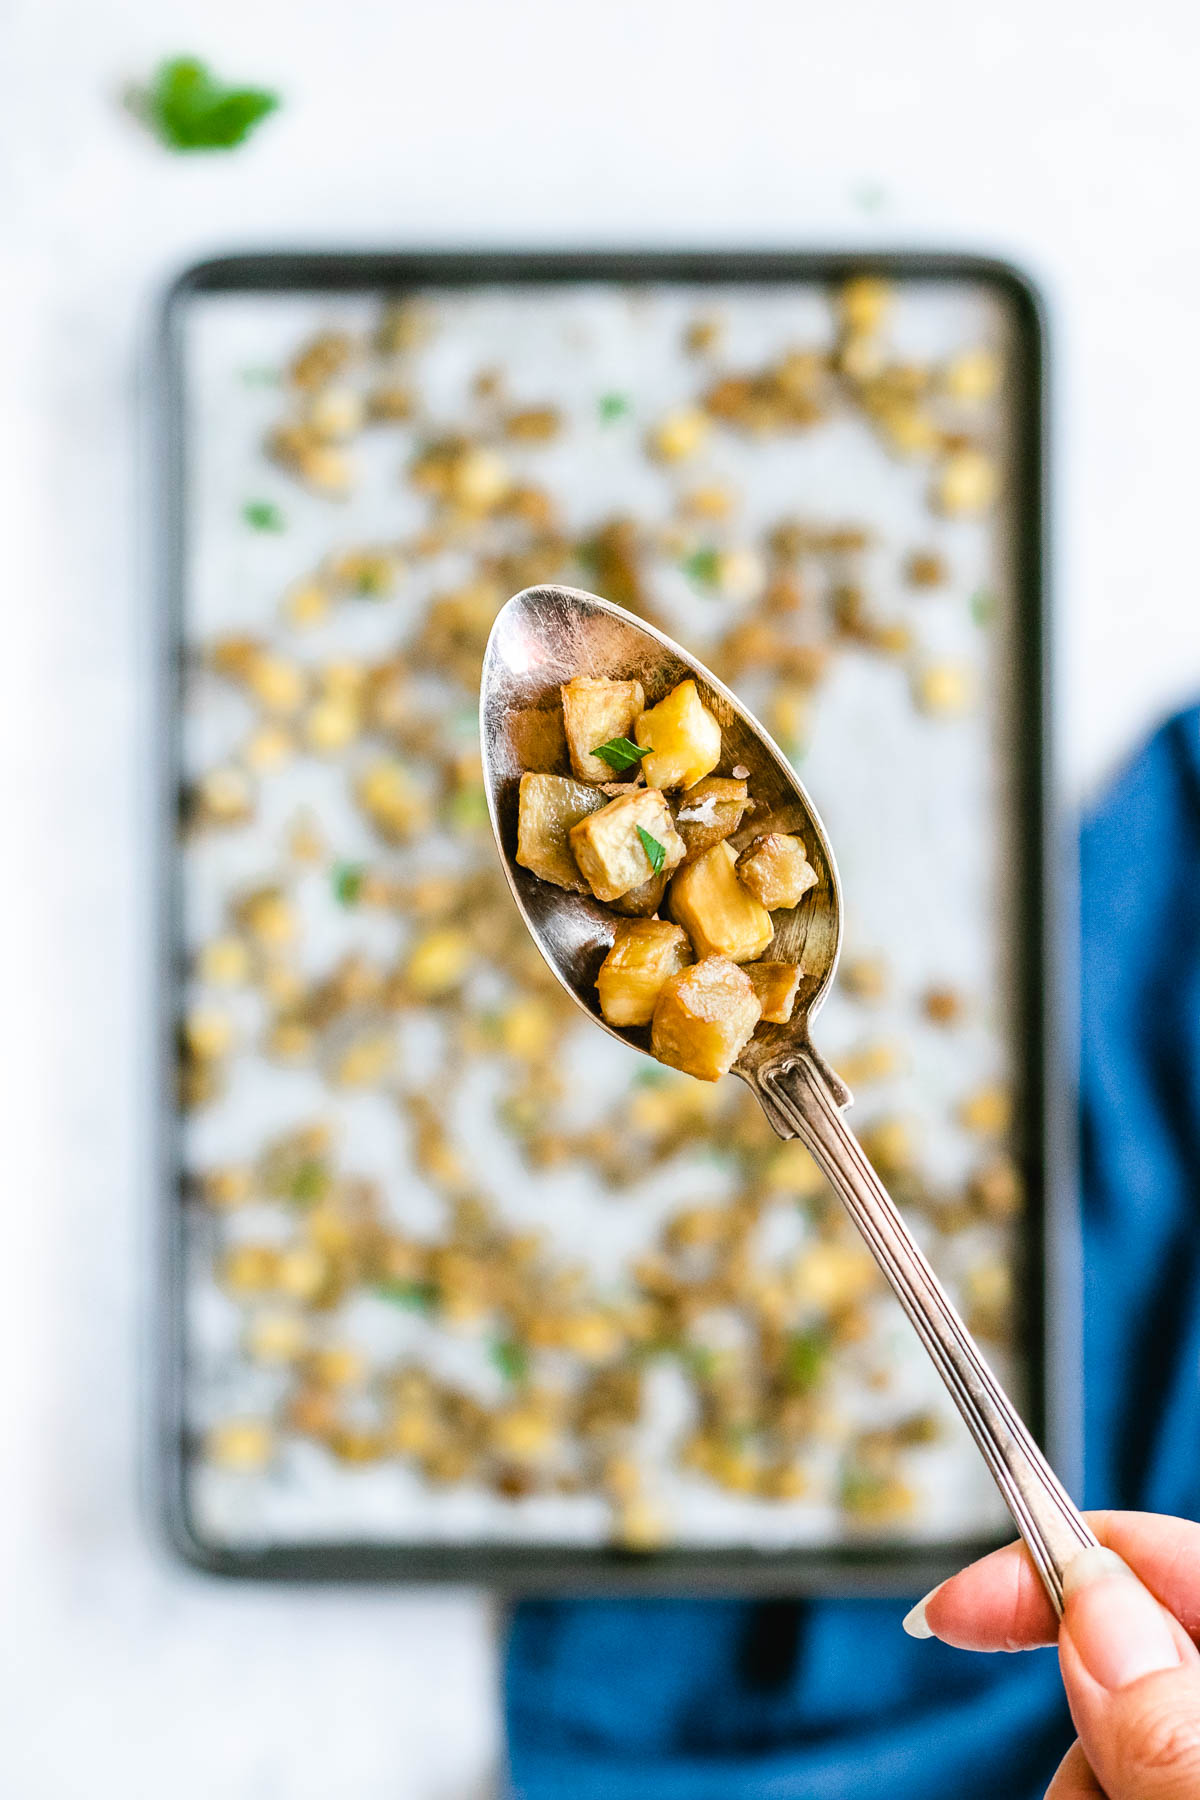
x=709, y=812
x=683, y=738
x=716, y=911
x=549, y=806
x=644, y=954
x=704, y=1017
x=776, y=871
x=776, y=984
x=642, y=902
x=611, y=856
x=595, y=712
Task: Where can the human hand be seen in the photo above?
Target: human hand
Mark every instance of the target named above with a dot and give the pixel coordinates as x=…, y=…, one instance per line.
x=1125, y=1647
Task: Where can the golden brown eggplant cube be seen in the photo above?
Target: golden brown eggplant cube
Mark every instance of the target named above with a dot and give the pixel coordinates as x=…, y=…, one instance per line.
x=704, y=1017
x=710, y=812
x=644, y=953
x=549, y=806
x=716, y=911
x=776, y=870
x=682, y=737
x=595, y=712
x=642, y=902
x=609, y=846
x=776, y=984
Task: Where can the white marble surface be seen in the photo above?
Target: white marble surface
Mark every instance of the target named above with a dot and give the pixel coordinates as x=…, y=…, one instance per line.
x=1064, y=132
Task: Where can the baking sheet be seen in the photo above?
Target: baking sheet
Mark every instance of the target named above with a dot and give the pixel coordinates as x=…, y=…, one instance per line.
x=915, y=803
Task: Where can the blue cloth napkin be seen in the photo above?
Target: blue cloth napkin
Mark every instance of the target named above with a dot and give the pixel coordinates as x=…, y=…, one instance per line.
x=745, y=1700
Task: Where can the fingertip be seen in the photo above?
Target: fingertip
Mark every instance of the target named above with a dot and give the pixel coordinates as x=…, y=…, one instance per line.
x=915, y=1622
x=997, y=1603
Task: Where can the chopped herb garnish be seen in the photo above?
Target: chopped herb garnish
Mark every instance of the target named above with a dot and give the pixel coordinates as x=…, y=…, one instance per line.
x=421, y=1296
x=511, y=1359
x=347, y=883
x=862, y=1489
x=310, y=1181
x=807, y=1355
x=650, y=1078
x=263, y=515
x=702, y=567
x=612, y=406
x=654, y=850
x=188, y=109
x=467, y=810
x=620, y=753
x=983, y=606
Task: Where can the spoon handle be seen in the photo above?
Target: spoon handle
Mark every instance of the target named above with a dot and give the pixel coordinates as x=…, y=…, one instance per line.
x=809, y=1098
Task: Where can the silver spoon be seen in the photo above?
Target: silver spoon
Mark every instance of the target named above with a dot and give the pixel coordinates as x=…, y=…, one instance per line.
x=543, y=637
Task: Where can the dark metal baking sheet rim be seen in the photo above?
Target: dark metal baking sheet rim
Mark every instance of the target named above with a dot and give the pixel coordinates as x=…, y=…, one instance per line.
x=1048, y=1283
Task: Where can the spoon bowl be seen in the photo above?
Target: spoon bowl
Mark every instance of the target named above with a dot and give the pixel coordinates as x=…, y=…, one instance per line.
x=542, y=638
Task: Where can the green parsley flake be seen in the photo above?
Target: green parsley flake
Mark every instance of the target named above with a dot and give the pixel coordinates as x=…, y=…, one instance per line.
x=310, y=1181
x=512, y=1359
x=263, y=515
x=702, y=567
x=620, y=753
x=807, y=1355
x=654, y=850
x=420, y=1296
x=467, y=810
x=613, y=406
x=347, y=883
x=188, y=109
x=650, y=1078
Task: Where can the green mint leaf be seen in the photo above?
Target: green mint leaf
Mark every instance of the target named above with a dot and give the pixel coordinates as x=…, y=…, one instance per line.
x=511, y=1359
x=347, y=883
x=420, y=1296
x=373, y=578
x=263, y=515
x=654, y=850
x=612, y=406
x=807, y=1355
x=310, y=1181
x=620, y=753
x=702, y=567
x=188, y=109
x=983, y=606
x=467, y=810
x=650, y=1078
